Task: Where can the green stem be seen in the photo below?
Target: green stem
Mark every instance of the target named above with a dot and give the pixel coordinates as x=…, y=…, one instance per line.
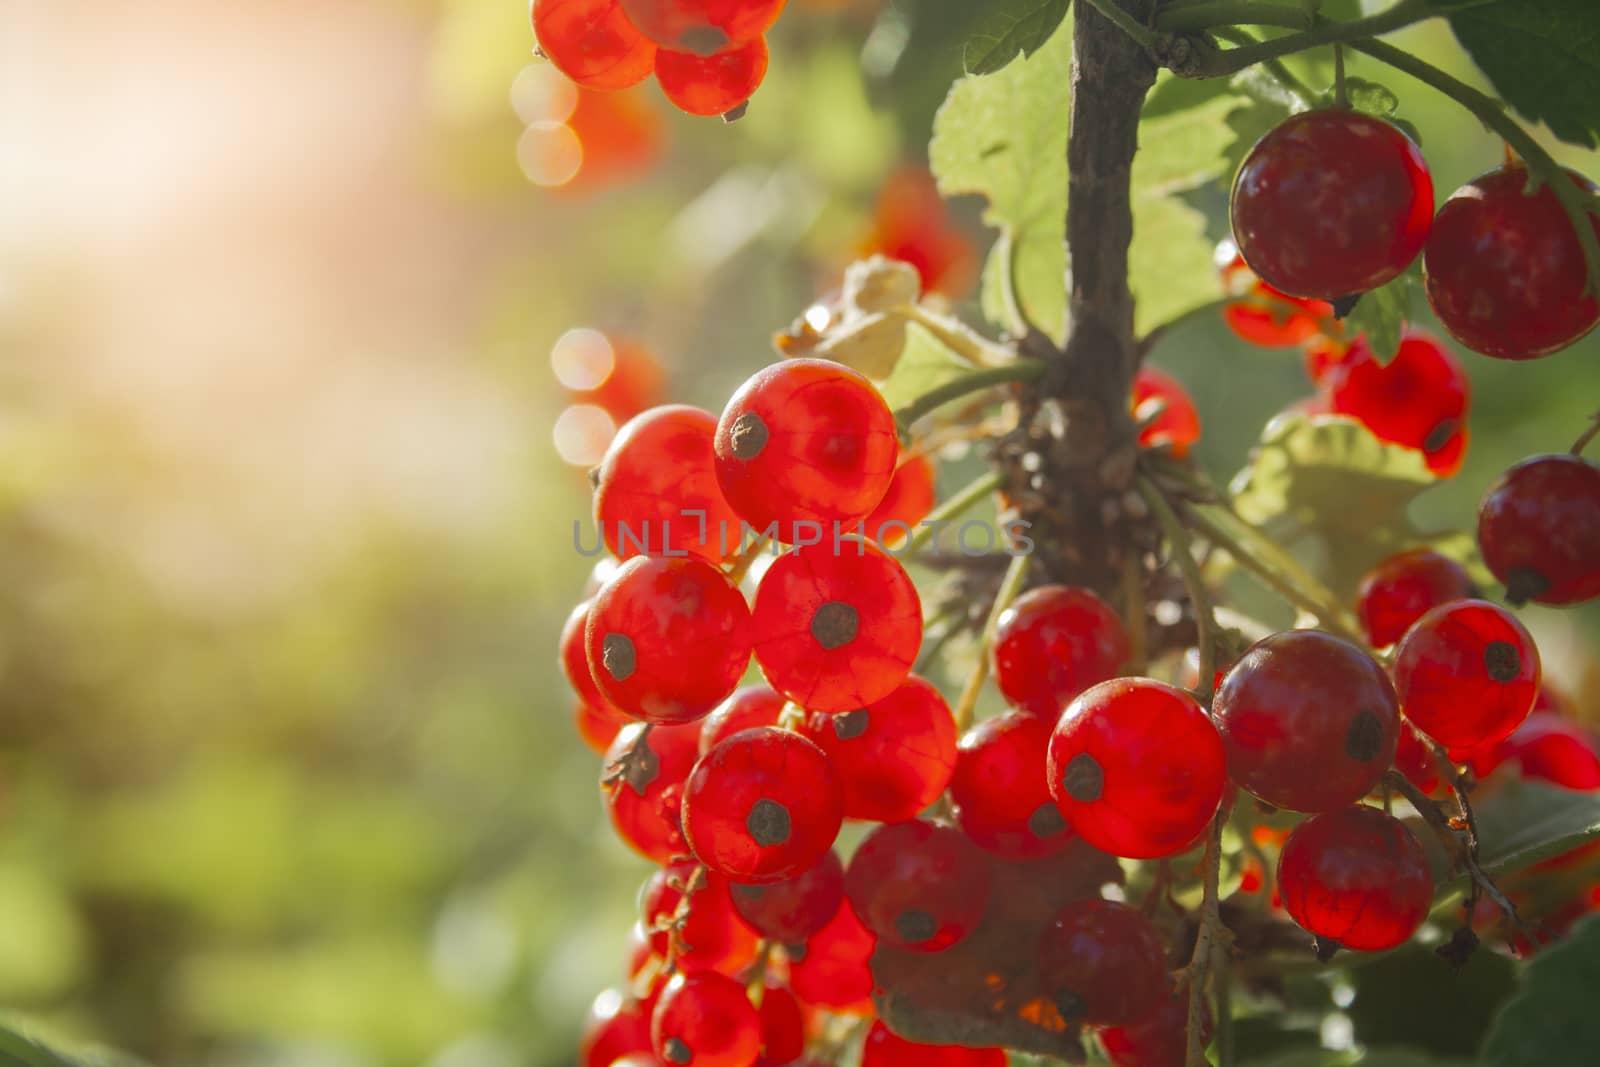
x=1341, y=96
x=1010, y=586
x=969, y=495
x=1205, y=619
x=1208, y=941
x=1236, y=59
x=1200, y=15
x=1588, y=435
x=1125, y=22
x=1285, y=77
x=960, y=338
x=1022, y=370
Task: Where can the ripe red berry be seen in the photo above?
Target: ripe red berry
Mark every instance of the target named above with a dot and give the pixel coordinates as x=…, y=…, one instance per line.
x=592, y=42
x=575, y=659
x=1266, y=316
x=791, y=911
x=712, y=85
x=598, y=727
x=656, y=491
x=885, y=1048
x=783, y=1026
x=1322, y=357
x=668, y=638
x=805, y=441
x=642, y=786
x=1539, y=530
x=1001, y=788
x=705, y=1019
x=1419, y=400
x=1052, y=644
x=837, y=625
x=1173, y=422
x=1504, y=271
x=762, y=806
x=749, y=706
x=1331, y=203
x=703, y=27
x=1467, y=673
x=708, y=934
x=1137, y=768
x=894, y=756
x=832, y=969
x=918, y=885
x=1414, y=758
x=1309, y=721
x=907, y=502
x=1551, y=749
x=1102, y=964
x=615, y=1028
x=912, y=224
x=1161, y=1040
x=1356, y=878
x=1397, y=592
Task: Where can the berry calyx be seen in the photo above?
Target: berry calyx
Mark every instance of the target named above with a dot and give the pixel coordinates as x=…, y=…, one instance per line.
x=1136, y=768
x=1418, y=400
x=918, y=885
x=705, y=1019
x=1054, y=642
x=792, y=910
x=592, y=42
x=1539, y=530
x=642, y=786
x=656, y=490
x=1398, y=591
x=703, y=27
x=885, y=1048
x=1356, y=878
x=1001, y=788
x=1102, y=963
x=716, y=84
x=1164, y=411
x=1467, y=673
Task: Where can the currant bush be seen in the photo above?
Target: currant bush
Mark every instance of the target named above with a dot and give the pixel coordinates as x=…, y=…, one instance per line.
x=1356, y=878
x=1467, y=673
x=1539, y=530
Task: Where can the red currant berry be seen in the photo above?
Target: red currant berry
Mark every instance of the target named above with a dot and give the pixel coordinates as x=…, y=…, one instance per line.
x=1397, y=592
x=592, y=42
x=575, y=659
x=1161, y=1040
x=1165, y=412
x=712, y=85
x=656, y=491
x=703, y=27
x=837, y=624
x=668, y=638
x=918, y=885
x=805, y=441
x=615, y=1028
x=833, y=968
x=783, y=1026
x=1504, y=271
x=1265, y=316
x=1137, y=768
x=1052, y=644
x=895, y=756
x=642, y=786
x=913, y=225
x=885, y=1048
x=1467, y=673
x=1550, y=749
x=1001, y=789
x=1309, y=721
x=1331, y=203
x=762, y=806
x=1322, y=357
x=907, y=502
x=705, y=1019
x=791, y=911
x=705, y=934
x=598, y=727
x=1413, y=757
x=1102, y=963
x=1356, y=878
x=1419, y=400
x=749, y=706
x=1539, y=530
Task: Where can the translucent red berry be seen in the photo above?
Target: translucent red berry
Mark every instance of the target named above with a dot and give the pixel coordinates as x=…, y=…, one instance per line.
x=1467, y=673
x=885, y=1048
x=575, y=658
x=1161, y=1040
x=1397, y=592
x=598, y=727
x=705, y=1019
x=837, y=624
x=762, y=806
x=918, y=885
x=1052, y=644
x=615, y=1028
x=704, y=934
x=668, y=639
x=592, y=42
x=1331, y=203
x=715, y=84
x=1265, y=316
x=833, y=968
x=806, y=441
x=749, y=706
x=1539, y=530
x=1001, y=788
x=906, y=503
x=1136, y=768
x=1309, y=722
x=783, y=1026
x=1165, y=412
x=1356, y=878
x=1414, y=758
x=1102, y=963
x=913, y=225
x=642, y=785
x=656, y=491
x=894, y=756
x=790, y=912
x=1552, y=749
x=702, y=26
x=1504, y=271
x=1418, y=400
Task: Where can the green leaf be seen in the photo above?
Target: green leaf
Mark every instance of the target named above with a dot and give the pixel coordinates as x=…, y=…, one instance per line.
x=924, y=364
x=17, y=1050
x=1552, y=1019
x=1378, y=1057
x=1248, y=124
x=1011, y=28
x=1543, y=58
x=1381, y=314
x=1411, y=998
x=1520, y=823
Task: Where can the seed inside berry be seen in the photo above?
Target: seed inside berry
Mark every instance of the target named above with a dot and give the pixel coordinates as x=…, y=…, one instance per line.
x=1046, y=821
x=850, y=724
x=834, y=624
x=1364, y=739
x=1502, y=660
x=915, y=926
x=618, y=657
x=677, y=1051
x=748, y=436
x=1084, y=780
x=768, y=823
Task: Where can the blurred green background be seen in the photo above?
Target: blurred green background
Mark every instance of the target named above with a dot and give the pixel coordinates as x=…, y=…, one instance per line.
x=287, y=770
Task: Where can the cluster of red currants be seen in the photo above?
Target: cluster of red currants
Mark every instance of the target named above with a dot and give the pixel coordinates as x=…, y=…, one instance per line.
x=708, y=56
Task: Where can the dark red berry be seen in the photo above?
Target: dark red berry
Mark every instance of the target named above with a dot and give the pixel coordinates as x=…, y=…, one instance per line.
x=1331, y=203
x=1308, y=720
x=832, y=969
x=894, y=757
x=918, y=885
x=1165, y=412
x=615, y=1028
x=1549, y=748
x=1052, y=644
x=706, y=934
x=1161, y=1040
x=1001, y=788
x=885, y=1048
x=705, y=1019
x=592, y=42
x=642, y=786
x=906, y=503
x=1467, y=673
x=1504, y=271
x=1419, y=400
x=1102, y=963
x=806, y=441
x=749, y=706
x=1356, y=878
x=837, y=624
x=1398, y=591
x=668, y=638
x=1539, y=530
x=791, y=911
x=656, y=491
x=762, y=806
x=1137, y=768
x=714, y=84
x=702, y=26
